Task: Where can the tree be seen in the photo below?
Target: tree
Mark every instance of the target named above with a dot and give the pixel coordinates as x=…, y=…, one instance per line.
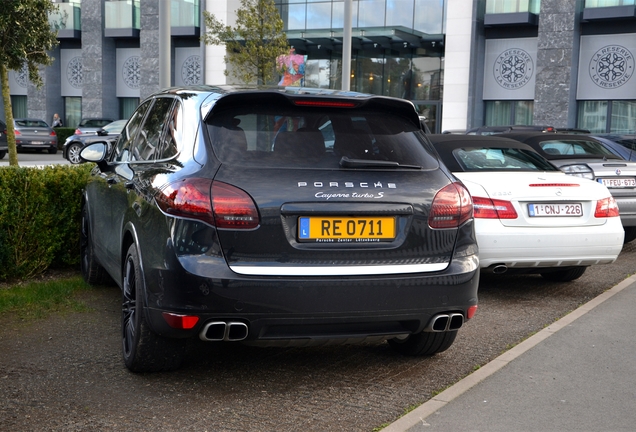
x=25, y=39
x=253, y=44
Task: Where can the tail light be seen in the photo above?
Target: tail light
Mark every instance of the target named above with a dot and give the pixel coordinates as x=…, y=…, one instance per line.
x=17, y=132
x=77, y=132
x=233, y=207
x=606, y=207
x=53, y=133
x=486, y=208
x=218, y=204
x=177, y=321
x=452, y=206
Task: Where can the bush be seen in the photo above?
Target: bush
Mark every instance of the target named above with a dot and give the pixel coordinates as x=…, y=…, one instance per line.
x=40, y=218
x=63, y=133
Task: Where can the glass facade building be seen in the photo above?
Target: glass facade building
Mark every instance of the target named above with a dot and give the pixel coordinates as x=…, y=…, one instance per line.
x=463, y=63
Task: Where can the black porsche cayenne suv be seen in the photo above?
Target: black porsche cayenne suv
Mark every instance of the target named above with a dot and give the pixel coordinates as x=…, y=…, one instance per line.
x=277, y=216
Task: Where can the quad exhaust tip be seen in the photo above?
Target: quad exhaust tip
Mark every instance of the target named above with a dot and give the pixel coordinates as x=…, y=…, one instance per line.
x=229, y=331
x=445, y=322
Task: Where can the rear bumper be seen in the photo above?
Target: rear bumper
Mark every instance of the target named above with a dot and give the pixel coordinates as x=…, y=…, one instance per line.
x=525, y=247
x=36, y=146
x=316, y=308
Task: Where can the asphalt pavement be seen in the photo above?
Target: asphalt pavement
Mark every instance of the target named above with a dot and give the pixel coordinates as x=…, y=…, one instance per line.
x=578, y=374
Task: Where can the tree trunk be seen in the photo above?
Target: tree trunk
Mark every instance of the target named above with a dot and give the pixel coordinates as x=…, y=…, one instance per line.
x=8, y=112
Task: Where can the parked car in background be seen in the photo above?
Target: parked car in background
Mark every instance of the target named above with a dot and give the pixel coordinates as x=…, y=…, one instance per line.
x=34, y=134
x=4, y=147
x=222, y=215
x=622, y=145
x=585, y=156
x=92, y=125
x=496, y=130
x=75, y=143
x=530, y=217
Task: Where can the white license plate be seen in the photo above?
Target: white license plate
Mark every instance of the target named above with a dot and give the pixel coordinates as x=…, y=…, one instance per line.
x=555, y=210
x=37, y=142
x=618, y=182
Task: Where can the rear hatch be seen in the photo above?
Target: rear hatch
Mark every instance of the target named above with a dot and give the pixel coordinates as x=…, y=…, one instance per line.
x=33, y=132
x=539, y=199
x=618, y=176
x=337, y=187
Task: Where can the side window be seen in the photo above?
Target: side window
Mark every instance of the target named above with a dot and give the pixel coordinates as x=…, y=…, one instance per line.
x=124, y=143
x=169, y=143
x=146, y=142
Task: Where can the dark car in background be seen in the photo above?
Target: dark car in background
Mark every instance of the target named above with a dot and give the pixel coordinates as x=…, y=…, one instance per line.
x=3, y=140
x=496, y=130
x=75, y=143
x=34, y=134
x=224, y=215
x=585, y=156
x=623, y=145
x=92, y=125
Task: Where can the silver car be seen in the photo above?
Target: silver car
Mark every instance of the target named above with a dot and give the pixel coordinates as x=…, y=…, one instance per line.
x=585, y=156
x=90, y=126
x=34, y=134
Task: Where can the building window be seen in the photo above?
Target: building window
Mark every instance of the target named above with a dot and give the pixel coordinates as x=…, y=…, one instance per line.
x=513, y=6
x=122, y=14
x=72, y=111
x=607, y=3
x=19, y=106
x=607, y=116
x=505, y=113
x=127, y=106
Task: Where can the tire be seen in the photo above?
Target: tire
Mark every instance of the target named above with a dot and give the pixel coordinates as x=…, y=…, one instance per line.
x=630, y=234
x=143, y=350
x=566, y=275
x=424, y=343
x=92, y=272
x=72, y=153
x=53, y=150
x=3, y=153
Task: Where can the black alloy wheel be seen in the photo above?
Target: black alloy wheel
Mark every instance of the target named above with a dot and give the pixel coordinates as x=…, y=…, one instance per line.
x=565, y=275
x=630, y=234
x=424, y=343
x=143, y=350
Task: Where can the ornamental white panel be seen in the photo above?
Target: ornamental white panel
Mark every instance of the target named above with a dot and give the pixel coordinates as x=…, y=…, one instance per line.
x=188, y=66
x=510, y=69
x=128, y=72
x=71, y=76
x=606, y=67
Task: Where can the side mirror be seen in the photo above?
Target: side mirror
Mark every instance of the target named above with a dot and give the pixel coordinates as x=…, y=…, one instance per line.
x=94, y=152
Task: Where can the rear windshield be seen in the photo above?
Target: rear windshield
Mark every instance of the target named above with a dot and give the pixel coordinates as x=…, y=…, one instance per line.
x=95, y=122
x=580, y=147
x=500, y=159
x=318, y=138
x=31, y=123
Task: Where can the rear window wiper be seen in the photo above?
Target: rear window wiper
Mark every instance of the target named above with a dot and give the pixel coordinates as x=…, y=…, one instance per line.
x=345, y=162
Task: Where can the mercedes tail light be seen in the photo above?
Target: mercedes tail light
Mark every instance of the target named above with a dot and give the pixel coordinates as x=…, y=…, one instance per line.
x=452, y=206
x=606, y=207
x=486, y=208
x=216, y=203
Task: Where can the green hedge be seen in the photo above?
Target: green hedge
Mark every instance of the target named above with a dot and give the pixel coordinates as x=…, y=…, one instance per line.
x=40, y=218
x=63, y=133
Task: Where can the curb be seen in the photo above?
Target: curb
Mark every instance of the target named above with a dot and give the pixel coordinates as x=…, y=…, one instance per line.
x=434, y=404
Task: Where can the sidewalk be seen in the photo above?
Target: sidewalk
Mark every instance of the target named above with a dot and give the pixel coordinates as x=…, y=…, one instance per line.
x=578, y=374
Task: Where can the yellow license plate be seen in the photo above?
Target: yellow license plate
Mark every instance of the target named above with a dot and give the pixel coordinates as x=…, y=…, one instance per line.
x=346, y=229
